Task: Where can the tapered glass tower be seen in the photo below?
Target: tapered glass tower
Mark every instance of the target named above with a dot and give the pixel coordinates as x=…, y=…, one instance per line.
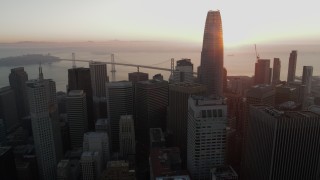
x=211, y=68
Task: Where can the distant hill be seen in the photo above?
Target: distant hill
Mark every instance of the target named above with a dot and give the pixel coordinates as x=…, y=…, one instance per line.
x=29, y=59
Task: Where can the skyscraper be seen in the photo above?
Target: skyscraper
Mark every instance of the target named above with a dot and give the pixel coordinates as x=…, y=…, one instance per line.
x=99, y=142
x=207, y=124
x=183, y=71
x=77, y=116
x=8, y=108
x=80, y=79
x=151, y=103
x=282, y=145
x=178, y=113
x=292, y=66
x=90, y=165
x=120, y=100
x=138, y=76
x=307, y=78
x=98, y=72
x=262, y=72
x=17, y=79
x=276, y=71
x=211, y=68
x=42, y=127
x=127, y=136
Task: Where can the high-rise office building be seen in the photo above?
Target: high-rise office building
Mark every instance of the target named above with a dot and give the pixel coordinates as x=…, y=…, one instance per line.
x=7, y=164
x=178, y=113
x=17, y=79
x=211, y=68
x=282, y=145
x=120, y=100
x=99, y=142
x=127, y=136
x=262, y=72
x=77, y=116
x=292, y=66
x=80, y=79
x=183, y=71
x=42, y=127
x=98, y=72
x=276, y=71
x=300, y=91
x=207, y=131
x=285, y=93
x=151, y=103
x=8, y=108
x=307, y=78
x=90, y=165
x=138, y=76
x=259, y=94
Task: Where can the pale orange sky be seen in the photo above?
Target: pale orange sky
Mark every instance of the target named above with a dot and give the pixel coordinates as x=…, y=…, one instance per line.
x=244, y=22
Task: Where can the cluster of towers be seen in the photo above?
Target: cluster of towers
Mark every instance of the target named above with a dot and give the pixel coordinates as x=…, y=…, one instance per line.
x=188, y=128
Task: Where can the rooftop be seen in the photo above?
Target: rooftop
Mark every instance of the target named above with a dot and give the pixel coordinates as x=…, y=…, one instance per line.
x=117, y=164
x=166, y=162
x=286, y=114
x=76, y=93
x=208, y=100
x=224, y=172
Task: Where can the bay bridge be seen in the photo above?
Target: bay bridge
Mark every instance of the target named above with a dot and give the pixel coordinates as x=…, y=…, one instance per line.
x=113, y=63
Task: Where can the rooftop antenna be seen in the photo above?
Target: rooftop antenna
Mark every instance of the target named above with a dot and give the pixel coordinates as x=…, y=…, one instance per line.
x=73, y=60
x=257, y=55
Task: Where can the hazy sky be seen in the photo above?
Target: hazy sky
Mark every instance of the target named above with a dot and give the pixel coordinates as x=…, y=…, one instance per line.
x=244, y=21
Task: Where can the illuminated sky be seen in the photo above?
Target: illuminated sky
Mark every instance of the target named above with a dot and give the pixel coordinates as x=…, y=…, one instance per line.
x=244, y=21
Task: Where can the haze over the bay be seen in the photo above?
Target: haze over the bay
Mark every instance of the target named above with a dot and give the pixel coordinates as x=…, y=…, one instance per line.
x=244, y=22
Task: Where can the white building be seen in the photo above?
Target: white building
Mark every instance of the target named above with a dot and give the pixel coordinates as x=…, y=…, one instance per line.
x=207, y=123
x=127, y=136
x=99, y=142
x=90, y=165
x=42, y=128
x=120, y=102
x=77, y=116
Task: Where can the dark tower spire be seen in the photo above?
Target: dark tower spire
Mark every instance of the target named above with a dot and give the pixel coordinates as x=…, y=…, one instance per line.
x=211, y=68
x=40, y=72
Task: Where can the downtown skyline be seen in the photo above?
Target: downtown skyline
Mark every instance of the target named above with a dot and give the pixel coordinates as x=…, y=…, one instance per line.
x=142, y=20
